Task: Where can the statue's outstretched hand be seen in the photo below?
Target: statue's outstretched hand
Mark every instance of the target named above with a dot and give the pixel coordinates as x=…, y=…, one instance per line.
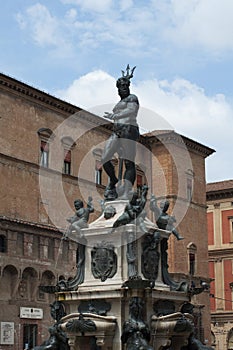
x=109, y=115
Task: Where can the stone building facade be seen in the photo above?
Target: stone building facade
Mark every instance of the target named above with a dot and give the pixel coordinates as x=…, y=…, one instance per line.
x=50, y=155
x=220, y=235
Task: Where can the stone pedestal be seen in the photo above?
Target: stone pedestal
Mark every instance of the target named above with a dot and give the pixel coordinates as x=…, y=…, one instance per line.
x=122, y=267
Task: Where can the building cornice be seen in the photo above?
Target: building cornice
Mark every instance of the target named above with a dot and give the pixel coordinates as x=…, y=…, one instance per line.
x=216, y=253
x=23, y=225
x=42, y=98
x=167, y=137
x=218, y=318
x=223, y=194
x=28, y=91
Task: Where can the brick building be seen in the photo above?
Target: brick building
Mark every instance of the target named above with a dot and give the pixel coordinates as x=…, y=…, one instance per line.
x=50, y=155
x=220, y=235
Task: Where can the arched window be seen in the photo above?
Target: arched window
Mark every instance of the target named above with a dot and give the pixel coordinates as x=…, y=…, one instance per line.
x=47, y=279
x=3, y=244
x=9, y=282
x=28, y=284
x=192, y=253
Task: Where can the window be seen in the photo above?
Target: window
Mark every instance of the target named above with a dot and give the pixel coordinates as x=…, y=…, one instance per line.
x=29, y=336
x=28, y=284
x=44, y=154
x=68, y=145
x=3, y=245
x=46, y=136
x=189, y=189
x=36, y=246
x=65, y=251
x=98, y=172
x=192, y=250
x=47, y=279
x=51, y=249
x=97, y=154
x=189, y=184
x=140, y=178
x=20, y=244
x=139, y=184
x=230, y=218
x=192, y=263
x=67, y=162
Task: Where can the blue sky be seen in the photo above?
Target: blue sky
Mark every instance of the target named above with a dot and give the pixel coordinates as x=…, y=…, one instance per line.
x=183, y=51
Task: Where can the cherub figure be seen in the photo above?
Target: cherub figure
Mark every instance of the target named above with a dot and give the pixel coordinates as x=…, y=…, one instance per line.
x=134, y=210
x=162, y=218
x=81, y=217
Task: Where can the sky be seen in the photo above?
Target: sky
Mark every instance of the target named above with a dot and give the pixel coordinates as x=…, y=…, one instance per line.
x=182, y=50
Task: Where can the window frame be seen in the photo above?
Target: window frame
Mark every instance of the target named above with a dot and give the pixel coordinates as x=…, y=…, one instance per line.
x=189, y=184
x=3, y=243
x=44, y=154
x=67, y=162
x=68, y=145
x=46, y=136
x=98, y=172
x=192, y=259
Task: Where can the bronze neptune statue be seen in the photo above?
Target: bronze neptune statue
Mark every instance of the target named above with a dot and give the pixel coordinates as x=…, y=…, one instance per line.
x=123, y=139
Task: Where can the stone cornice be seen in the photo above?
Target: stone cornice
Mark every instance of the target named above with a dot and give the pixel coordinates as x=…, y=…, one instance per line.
x=23, y=89
x=221, y=316
x=42, y=98
x=27, y=226
x=216, y=253
x=222, y=194
x=181, y=141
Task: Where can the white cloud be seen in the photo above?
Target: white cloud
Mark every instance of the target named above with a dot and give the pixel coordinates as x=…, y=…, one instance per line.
x=200, y=22
x=135, y=27
x=125, y=4
x=44, y=26
x=92, y=89
x=91, y=5
x=71, y=14
x=47, y=30
x=182, y=105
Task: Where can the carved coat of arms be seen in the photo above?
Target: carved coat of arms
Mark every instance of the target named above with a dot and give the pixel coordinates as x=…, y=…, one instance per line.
x=103, y=261
x=150, y=256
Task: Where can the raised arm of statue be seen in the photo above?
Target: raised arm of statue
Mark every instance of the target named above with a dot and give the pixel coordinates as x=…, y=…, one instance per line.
x=154, y=207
